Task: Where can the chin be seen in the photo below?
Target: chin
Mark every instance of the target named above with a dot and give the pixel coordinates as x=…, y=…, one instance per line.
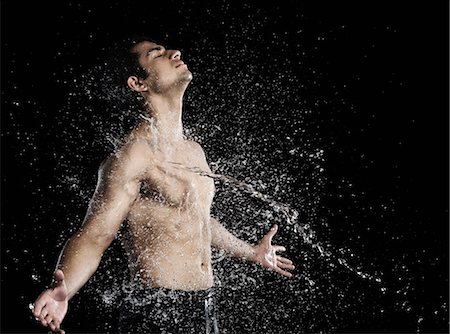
x=187, y=76
x=185, y=79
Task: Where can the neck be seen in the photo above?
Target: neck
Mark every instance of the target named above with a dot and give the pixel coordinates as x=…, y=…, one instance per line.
x=163, y=119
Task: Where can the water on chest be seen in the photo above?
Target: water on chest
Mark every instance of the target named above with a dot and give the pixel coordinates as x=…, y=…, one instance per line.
x=177, y=187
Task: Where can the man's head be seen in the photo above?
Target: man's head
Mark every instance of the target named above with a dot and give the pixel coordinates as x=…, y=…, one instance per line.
x=160, y=70
x=144, y=66
x=128, y=73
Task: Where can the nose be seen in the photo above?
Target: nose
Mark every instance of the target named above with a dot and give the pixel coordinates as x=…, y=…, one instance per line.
x=175, y=54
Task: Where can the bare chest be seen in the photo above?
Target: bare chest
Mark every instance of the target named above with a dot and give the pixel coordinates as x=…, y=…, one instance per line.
x=177, y=182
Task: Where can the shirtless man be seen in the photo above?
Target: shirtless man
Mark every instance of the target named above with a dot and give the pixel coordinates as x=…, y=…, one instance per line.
x=166, y=207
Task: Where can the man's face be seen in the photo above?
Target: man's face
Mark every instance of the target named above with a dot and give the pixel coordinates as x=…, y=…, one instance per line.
x=165, y=67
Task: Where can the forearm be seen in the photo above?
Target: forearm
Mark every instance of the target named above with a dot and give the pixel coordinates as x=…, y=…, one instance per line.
x=221, y=238
x=79, y=259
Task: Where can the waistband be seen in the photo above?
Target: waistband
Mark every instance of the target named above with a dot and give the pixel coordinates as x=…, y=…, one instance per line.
x=142, y=296
x=200, y=294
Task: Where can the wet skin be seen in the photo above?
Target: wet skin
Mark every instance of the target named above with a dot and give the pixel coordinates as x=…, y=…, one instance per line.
x=162, y=208
x=168, y=235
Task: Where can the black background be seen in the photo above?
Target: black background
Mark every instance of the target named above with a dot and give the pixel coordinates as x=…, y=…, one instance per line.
x=387, y=60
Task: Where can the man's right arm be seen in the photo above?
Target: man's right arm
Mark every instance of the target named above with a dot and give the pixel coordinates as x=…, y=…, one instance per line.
x=117, y=188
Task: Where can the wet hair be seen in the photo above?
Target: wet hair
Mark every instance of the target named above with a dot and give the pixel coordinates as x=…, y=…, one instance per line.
x=116, y=108
x=117, y=63
x=124, y=61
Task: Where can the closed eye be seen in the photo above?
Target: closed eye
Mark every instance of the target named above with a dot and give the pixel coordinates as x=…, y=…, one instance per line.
x=158, y=49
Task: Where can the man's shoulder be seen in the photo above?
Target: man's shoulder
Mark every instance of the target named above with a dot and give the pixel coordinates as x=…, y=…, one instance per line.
x=193, y=145
x=135, y=150
x=132, y=156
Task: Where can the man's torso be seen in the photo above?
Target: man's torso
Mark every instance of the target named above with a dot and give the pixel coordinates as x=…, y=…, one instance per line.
x=168, y=237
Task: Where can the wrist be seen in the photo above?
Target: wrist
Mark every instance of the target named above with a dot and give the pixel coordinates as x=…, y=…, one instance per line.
x=253, y=256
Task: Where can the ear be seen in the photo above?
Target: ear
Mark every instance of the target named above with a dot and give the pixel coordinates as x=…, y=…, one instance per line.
x=137, y=84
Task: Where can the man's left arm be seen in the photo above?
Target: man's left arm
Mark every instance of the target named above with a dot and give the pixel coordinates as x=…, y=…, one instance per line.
x=264, y=253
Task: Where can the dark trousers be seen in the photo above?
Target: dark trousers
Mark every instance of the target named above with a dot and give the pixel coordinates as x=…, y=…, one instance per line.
x=169, y=311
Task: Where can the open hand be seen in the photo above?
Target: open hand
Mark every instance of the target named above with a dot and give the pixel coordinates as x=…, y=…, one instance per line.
x=51, y=305
x=265, y=254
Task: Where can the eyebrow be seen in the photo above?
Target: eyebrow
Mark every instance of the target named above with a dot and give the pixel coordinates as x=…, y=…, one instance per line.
x=156, y=48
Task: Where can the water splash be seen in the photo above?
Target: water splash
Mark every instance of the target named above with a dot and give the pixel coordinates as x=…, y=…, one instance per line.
x=291, y=215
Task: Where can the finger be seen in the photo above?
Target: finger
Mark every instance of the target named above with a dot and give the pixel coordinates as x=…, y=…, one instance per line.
x=283, y=272
x=279, y=248
x=284, y=260
x=44, y=320
x=285, y=265
x=52, y=326
x=58, y=275
x=48, y=319
x=57, y=324
x=44, y=313
x=58, y=278
x=273, y=230
x=38, y=306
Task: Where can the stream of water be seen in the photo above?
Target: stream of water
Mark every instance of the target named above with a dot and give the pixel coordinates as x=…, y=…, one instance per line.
x=291, y=217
